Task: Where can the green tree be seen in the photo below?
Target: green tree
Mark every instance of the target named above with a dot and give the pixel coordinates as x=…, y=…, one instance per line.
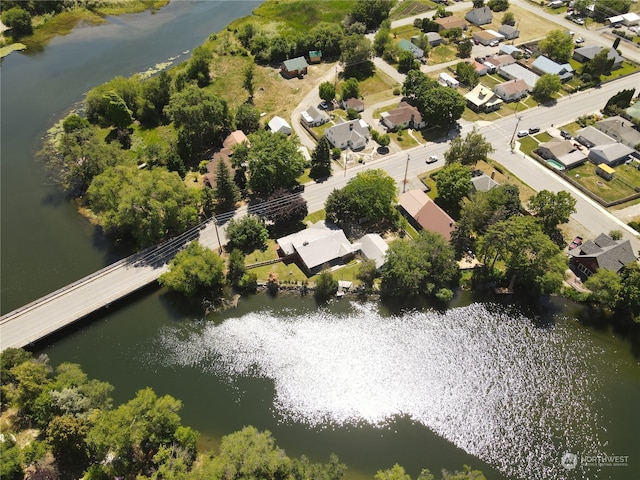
x=419, y=267
x=416, y=84
x=350, y=89
x=552, y=209
x=11, y=465
x=321, y=160
x=18, y=20
x=327, y=92
x=394, y=473
x=31, y=380
x=498, y=5
x=478, y=3
x=531, y=258
x=194, y=269
x=508, y=19
x=453, y=183
x=74, y=122
x=465, y=474
x=247, y=234
x=226, y=191
x=442, y=106
x=248, y=82
x=201, y=119
x=247, y=118
x=467, y=74
x=608, y=8
x=367, y=273
x=407, y=62
x=464, y=48
x=581, y=7
x=605, y=287
x=117, y=113
x=155, y=95
x=326, y=285
x=236, y=268
x=557, y=45
x=274, y=162
x=384, y=140
x=371, y=12
x=599, y=65
x=468, y=150
x=619, y=101
x=125, y=440
x=356, y=52
x=546, y=86
x=66, y=434
x=629, y=295
x=368, y=200
x=286, y=210
x=145, y=205
x=615, y=234
x=97, y=102
x=428, y=25
x=381, y=41
x=198, y=66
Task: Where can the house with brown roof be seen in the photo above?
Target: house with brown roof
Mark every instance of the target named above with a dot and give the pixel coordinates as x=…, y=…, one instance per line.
x=511, y=90
x=602, y=252
x=354, y=103
x=225, y=154
x=451, y=22
x=482, y=99
x=500, y=60
x=405, y=116
x=563, y=151
x=484, y=37
x=425, y=213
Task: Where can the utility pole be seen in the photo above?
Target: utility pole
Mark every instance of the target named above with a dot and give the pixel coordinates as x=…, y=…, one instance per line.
x=406, y=168
x=215, y=222
x=515, y=129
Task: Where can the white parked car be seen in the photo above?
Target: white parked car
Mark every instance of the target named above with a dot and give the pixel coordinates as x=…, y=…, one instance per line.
x=432, y=159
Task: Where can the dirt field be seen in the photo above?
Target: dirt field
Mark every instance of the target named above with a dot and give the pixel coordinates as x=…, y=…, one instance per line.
x=530, y=25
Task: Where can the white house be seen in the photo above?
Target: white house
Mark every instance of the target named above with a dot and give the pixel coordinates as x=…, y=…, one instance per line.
x=511, y=90
x=447, y=80
x=279, y=124
x=313, y=117
x=354, y=134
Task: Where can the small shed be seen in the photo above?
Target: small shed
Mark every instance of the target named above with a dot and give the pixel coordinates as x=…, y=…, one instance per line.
x=280, y=125
x=605, y=171
x=294, y=67
x=315, y=56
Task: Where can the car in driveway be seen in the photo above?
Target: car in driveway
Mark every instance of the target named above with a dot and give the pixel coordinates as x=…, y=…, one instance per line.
x=578, y=20
x=564, y=134
x=323, y=105
x=533, y=130
x=579, y=40
x=523, y=133
x=432, y=159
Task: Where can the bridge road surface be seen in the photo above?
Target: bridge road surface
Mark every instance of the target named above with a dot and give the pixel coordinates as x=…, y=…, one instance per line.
x=48, y=314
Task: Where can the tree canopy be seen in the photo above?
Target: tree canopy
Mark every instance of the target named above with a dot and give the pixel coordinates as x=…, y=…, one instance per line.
x=321, y=160
x=246, y=234
x=557, y=45
x=369, y=199
x=418, y=267
x=546, y=86
x=467, y=74
x=194, y=269
x=552, y=209
x=453, y=183
x=468, y=150
x=18, y=20
x=274, y=162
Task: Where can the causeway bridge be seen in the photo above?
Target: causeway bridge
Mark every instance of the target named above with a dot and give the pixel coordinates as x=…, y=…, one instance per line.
x=55, y=311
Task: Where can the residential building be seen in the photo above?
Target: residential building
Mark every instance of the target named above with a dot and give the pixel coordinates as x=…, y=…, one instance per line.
x=279, y=125
x=407, y=46
x=353, y=103
x=511, y=90
x=499, y=60
x=405, y=116
x=605, y=171
x=612, y=154
x=295, y=67
x=628, y=19
x=602, y=252
x=543, y=65
x=590, y=137
x=434, y=38
x=483, y=183
x=509, y=32
x=446, y=23
x=373, y=247
x=353, y=134
x=314, y=117
x=481, y=68
x=563, y=151
x=506, y=49
x=633, y=112
x=586, y=53
x=479, y=16
x=224, y=154
x=620, y=129
x=425, y=213
x=483, y=37
x=447, y=80
x=515, y=71
x=322, y=244
x=482, y=99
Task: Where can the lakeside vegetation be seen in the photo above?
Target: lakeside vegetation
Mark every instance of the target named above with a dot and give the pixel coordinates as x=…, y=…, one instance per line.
x=58, y=423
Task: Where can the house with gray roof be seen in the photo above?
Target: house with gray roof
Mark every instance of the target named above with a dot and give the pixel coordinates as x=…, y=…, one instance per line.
x=479, y=16
x=563, y=151
x=314, y=117
x=353, y=134
x=483, y=183
x=620, y=129
x=509, y=32
x=602, y=252
x=434, y=38
x=373, y=247
x=279, y=125
x=511, y=90
x=294, y=67
x=544, y=65
x=584, y=54
x=322, y=244
x=512, y=50
x=515, y=70
x=611, y=155
x=591, y=137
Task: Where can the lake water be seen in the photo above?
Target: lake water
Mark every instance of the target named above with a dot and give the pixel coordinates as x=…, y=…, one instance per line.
x=507, y=390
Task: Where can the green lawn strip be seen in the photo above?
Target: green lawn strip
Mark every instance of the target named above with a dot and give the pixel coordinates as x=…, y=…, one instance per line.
x=405, y=32
x=608, y=190
x=316, y=216
x=4, y=51
x=441, y=54
x=626, y=69
x=527, y=145
x=543, y=137
x=403, y=140
x=299, y=16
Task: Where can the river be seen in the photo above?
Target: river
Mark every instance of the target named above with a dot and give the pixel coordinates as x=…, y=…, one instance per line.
x=507, y=390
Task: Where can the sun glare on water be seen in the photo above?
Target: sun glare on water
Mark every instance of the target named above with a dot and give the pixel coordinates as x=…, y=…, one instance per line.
x=486, y=379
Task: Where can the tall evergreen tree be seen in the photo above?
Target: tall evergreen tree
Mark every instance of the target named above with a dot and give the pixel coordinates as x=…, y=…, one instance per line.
x=321, y=160
x=226, y=191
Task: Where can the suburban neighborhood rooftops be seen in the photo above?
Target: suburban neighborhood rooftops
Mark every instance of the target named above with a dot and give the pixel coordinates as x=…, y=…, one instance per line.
x=483, y=183
x=589, y=51
x=451, y=22
x=610, y=254
x=512, y=87
x=546, y=65
x=590, y=137
x=516, y=70
x=620, y=129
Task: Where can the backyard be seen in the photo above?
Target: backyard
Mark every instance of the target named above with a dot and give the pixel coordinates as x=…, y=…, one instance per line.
x=609, y=190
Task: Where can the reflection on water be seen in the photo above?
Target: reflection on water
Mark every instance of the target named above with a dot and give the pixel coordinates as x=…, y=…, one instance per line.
x=485, y=378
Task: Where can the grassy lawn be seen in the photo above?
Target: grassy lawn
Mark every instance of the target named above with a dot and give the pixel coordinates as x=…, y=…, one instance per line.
x=543, y=137
x=572, y=127
x=527, y=145
x=403, y=140
x=529, y=24
x=626, y=69
x=431, y=183
x=610, y=190
x=491, y=81
x=378, y=83
x=409, y=8
x=314, y=217
x=442, y=53
x=405, y=32
x=504, y=176
x=300, y=15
